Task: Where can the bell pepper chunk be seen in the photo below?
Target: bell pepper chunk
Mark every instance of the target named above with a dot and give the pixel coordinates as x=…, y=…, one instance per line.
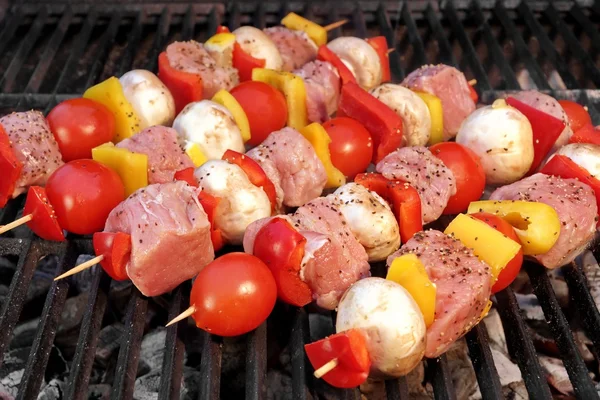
x=131, y=167
x=318, y=137
x=379, y=43
x=546, y=129
x=209, y=204
x=488, y=244
x=349, y=349
x=408, y=271
x=384, y=125
x=220, y=47
x=44, y=222
x=586, y=134
x=10, y=166
x=536, y=224
x=110, y=93
x=115, y=247
x=186, y=175
x=315, y=32
x=434, y=104
x=185, y=87
x=325, y=54
x=195, y=153
x=223, y=29
x=284, y=260
x=293, y=89
x=255, y=174
x=224, y=98
x=245, y=63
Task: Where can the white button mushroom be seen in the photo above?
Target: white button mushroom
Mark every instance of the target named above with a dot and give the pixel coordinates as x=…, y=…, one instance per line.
x=149, y=97
x=257, y=44
x=370, y=219
x=391, y=321
x=416, y=119
x=361, y=59
x=586, y=155
x=502, y=137
x=211, y=126
x=241, y=202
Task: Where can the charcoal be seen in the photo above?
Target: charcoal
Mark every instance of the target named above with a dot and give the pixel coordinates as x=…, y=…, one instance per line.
x=14, y=360
x=10, y=383
x=7, y=269
x=3, y=294
x=461, y=369
x=52, y=391
x=556, y=374
x=42, y=279
x=119, y=297
x=320, y=326
x=279, y=386
x=70, y=322
x=24, y=333
x=153, y=349
x=99, y=392
x=4, y=395
x=109, y=340
x=147, y=386
x=82, y=281
x=57, y=364
x=495, y=331
x=511, y=379
x=591, y=270
x=191, y=384
x=582, y=342
x=560, y=288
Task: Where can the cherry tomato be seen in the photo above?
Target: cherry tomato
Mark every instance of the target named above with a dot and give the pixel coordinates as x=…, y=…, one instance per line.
x=83, y=193
x=264, y=106
x=510, y=272
x=233, y=295
x=351, y=145
x=79, y=125
x=467, y=170
x=577, y=115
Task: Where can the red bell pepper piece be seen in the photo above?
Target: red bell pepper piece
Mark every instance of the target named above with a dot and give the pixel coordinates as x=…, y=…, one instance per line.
x=116, y=250
x=281, y=247
x=546, y=129
x=379, y=43
x=186, y=175
x=473, y=94
x=245, y=63
x=325, y=54
x=349, y=348
x=255, y=174
x=403, y=198
x=381, y=121
x=586, y=134
x=10, y=166
x=566, y=168
x=184, y=86
x=223, y=29
x=210, y=204
x=44, y=222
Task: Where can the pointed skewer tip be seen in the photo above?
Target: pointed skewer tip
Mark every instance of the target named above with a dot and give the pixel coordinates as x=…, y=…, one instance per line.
x=191, y=310
x=18, y=222
x=81, y=267
x=334, y=25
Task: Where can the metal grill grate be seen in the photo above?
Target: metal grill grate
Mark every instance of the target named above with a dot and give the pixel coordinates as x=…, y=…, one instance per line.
x=49, y=52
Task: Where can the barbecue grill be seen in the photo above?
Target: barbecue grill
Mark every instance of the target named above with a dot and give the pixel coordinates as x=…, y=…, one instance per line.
x=50, y=51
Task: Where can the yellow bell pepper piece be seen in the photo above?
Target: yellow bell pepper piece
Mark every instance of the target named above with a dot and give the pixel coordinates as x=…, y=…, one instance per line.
x=318, y=137
x=315, y=32
x=131, y=167
x=293, y=89
x=222, y=40
x=220, y=47
x=408, y=271
x=434, y=104
x=224, y=98
x=110, y=93
x=195, y=153
x=488, y=244
x=536, y=224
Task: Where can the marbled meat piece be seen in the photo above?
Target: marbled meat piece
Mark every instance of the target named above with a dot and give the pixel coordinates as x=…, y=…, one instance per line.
x=170, y=235
x=34, y=146
x=322, y=84
x=452, y=88
x=295, y=47
x=291, y=163
x=426, y=173
x=192, y=57
x=462, y=282
x=575, y=205
x=165, y=156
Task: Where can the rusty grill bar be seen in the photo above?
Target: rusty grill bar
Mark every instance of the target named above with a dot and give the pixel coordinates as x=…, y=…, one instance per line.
x=53, y=51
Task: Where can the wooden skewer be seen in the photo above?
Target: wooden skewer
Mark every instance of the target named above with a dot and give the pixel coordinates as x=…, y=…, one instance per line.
x=391, y=50
x=326, y=368
x=334, y=25
x=81, y=267
x=18, y=222
x=472, y=82
x=191, y=310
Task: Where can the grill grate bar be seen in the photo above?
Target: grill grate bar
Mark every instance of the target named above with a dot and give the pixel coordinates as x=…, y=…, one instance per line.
x=129, y=353
x=187, y=33
x=588, y=26
x=520, y=345
x=360, y=26
x=413, y=36
x=172, y=366
x=210, y=367
x=256, y=364
x=398, y=73
x=132, y=44
x=397, y=389
x=161, y=34
x=214, y=21
x=446, y=55
x=483, y=363
x=441, y=380
x=103, y=49
x=235, y=19
x=297, y=340
x=334, y=16
x=578, y=373
x=14, y=21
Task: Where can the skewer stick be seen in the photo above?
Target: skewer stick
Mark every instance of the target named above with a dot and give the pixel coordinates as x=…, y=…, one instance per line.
x=81, y=267
x=326, y=368
x=183, y=315
x=18, y=222
x=334, y=25
x=391, y=50
x=472, y=82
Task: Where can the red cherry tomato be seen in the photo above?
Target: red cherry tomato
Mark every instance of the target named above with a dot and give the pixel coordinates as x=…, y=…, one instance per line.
x=83, y=193
x=79, y=125
x=351, y=145
x=264, y=106
x=467, y=170
x=577, y=115
x=510, y=272
x=233, y=295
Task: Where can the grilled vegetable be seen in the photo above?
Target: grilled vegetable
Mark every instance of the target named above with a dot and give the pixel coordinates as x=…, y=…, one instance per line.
x=131, y=167
x=379, y=43
x=115, y=249
x=185, y=87
x=320, y=140
x=43, y=221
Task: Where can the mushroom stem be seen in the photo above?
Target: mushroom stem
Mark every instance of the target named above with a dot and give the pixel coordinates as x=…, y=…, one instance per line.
x=326, y=368
x=81, y=267
x=18, y=222
x=191, y=309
